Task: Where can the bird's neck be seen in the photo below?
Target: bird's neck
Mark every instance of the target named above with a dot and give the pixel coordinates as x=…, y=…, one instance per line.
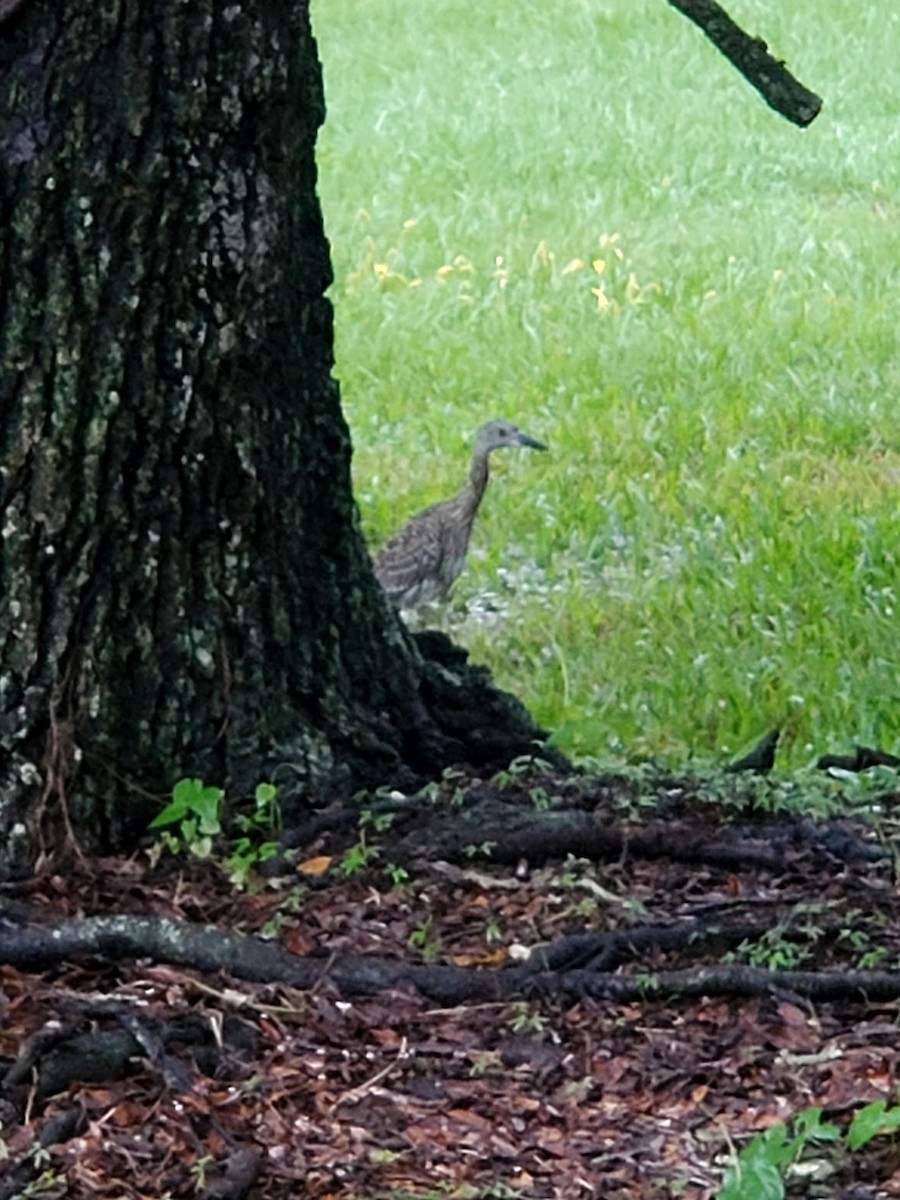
x=473, y=488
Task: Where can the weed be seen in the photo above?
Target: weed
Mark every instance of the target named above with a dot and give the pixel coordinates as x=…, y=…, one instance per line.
x=190, y=821
x=48, y=1183
x=519, y=771
x=758, y=1172
x=193, y=820
x=396, y=874
x=358, y=857
x=647, y=982
x=774, y=950
x=541, y=799
x=523, y=1018
x=258, y=840
x=448, y=789
x=377, y=822
x=870, y=1121
x=425, y=941
x=492, y=931
x=199, y=1171
x=479, y=850
x=759, y=1169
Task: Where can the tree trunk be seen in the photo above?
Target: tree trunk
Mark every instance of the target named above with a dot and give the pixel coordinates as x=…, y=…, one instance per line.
x=183, y=585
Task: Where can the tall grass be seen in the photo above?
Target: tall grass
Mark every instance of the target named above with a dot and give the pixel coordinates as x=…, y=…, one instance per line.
x=581, y=217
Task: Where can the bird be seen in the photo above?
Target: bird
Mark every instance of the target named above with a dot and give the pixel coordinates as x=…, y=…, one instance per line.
x=422, y=561
x=761, y=758
x=864, y=758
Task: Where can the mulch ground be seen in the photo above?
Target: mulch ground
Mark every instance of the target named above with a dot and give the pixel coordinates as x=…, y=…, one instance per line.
x=270, y=1092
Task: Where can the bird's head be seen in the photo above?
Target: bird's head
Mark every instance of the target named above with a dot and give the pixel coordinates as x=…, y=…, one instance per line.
x=494, y=434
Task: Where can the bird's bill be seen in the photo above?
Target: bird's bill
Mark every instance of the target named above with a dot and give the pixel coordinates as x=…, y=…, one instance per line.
x=530, y=442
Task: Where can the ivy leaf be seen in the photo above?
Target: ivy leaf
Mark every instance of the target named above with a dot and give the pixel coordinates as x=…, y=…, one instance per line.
x=875, y=1118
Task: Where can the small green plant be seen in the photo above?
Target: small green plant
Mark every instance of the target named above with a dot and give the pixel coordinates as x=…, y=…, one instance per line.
x=47, y=1183
x=363, y=854
x=453, y=783
x=396, y=874
x=872, y=960
x=200, y=1170
x=573, y=872
x=450, y=788
x=647, y=982
x=775, y=950
x=258, y=835
x=378, y=822
x=525, y=1019
x=519, y=771
x=288, y=906
x=479, y=850
x=875, y=1118
x=431, y=792
x=423, y=940
x=492, y=931
x=190, y=821
x=758, y=1171
x=359, y=856
x=193, y=820
x=482, y=1062
x=541, y=799
x=869, y=956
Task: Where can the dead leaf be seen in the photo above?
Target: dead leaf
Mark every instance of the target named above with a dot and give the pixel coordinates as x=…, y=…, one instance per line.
x=315, y=866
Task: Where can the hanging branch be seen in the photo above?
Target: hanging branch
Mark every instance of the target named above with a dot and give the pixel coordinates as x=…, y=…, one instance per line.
x=751, y=56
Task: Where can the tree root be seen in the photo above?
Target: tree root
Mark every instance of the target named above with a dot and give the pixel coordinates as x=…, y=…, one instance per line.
x=251, y=958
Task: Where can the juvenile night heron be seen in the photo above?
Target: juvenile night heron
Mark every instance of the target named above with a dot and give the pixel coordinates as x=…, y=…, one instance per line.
x=423, y=560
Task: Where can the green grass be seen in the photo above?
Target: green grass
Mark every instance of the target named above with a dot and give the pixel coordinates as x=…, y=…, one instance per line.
x=581, y=217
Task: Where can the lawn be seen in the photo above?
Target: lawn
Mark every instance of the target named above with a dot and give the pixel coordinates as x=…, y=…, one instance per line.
x=584, y=219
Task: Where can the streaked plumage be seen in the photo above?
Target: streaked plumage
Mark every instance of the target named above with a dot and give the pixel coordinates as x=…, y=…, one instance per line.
x=423, y=560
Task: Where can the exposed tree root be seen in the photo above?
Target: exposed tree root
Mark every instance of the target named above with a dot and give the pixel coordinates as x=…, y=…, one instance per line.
x=506, y=833
x=251, y=958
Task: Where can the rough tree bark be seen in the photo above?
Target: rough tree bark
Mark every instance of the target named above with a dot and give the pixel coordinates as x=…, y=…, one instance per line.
x=183, y=585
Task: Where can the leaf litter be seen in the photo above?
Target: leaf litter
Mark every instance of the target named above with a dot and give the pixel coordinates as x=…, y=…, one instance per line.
x=270, y=1092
